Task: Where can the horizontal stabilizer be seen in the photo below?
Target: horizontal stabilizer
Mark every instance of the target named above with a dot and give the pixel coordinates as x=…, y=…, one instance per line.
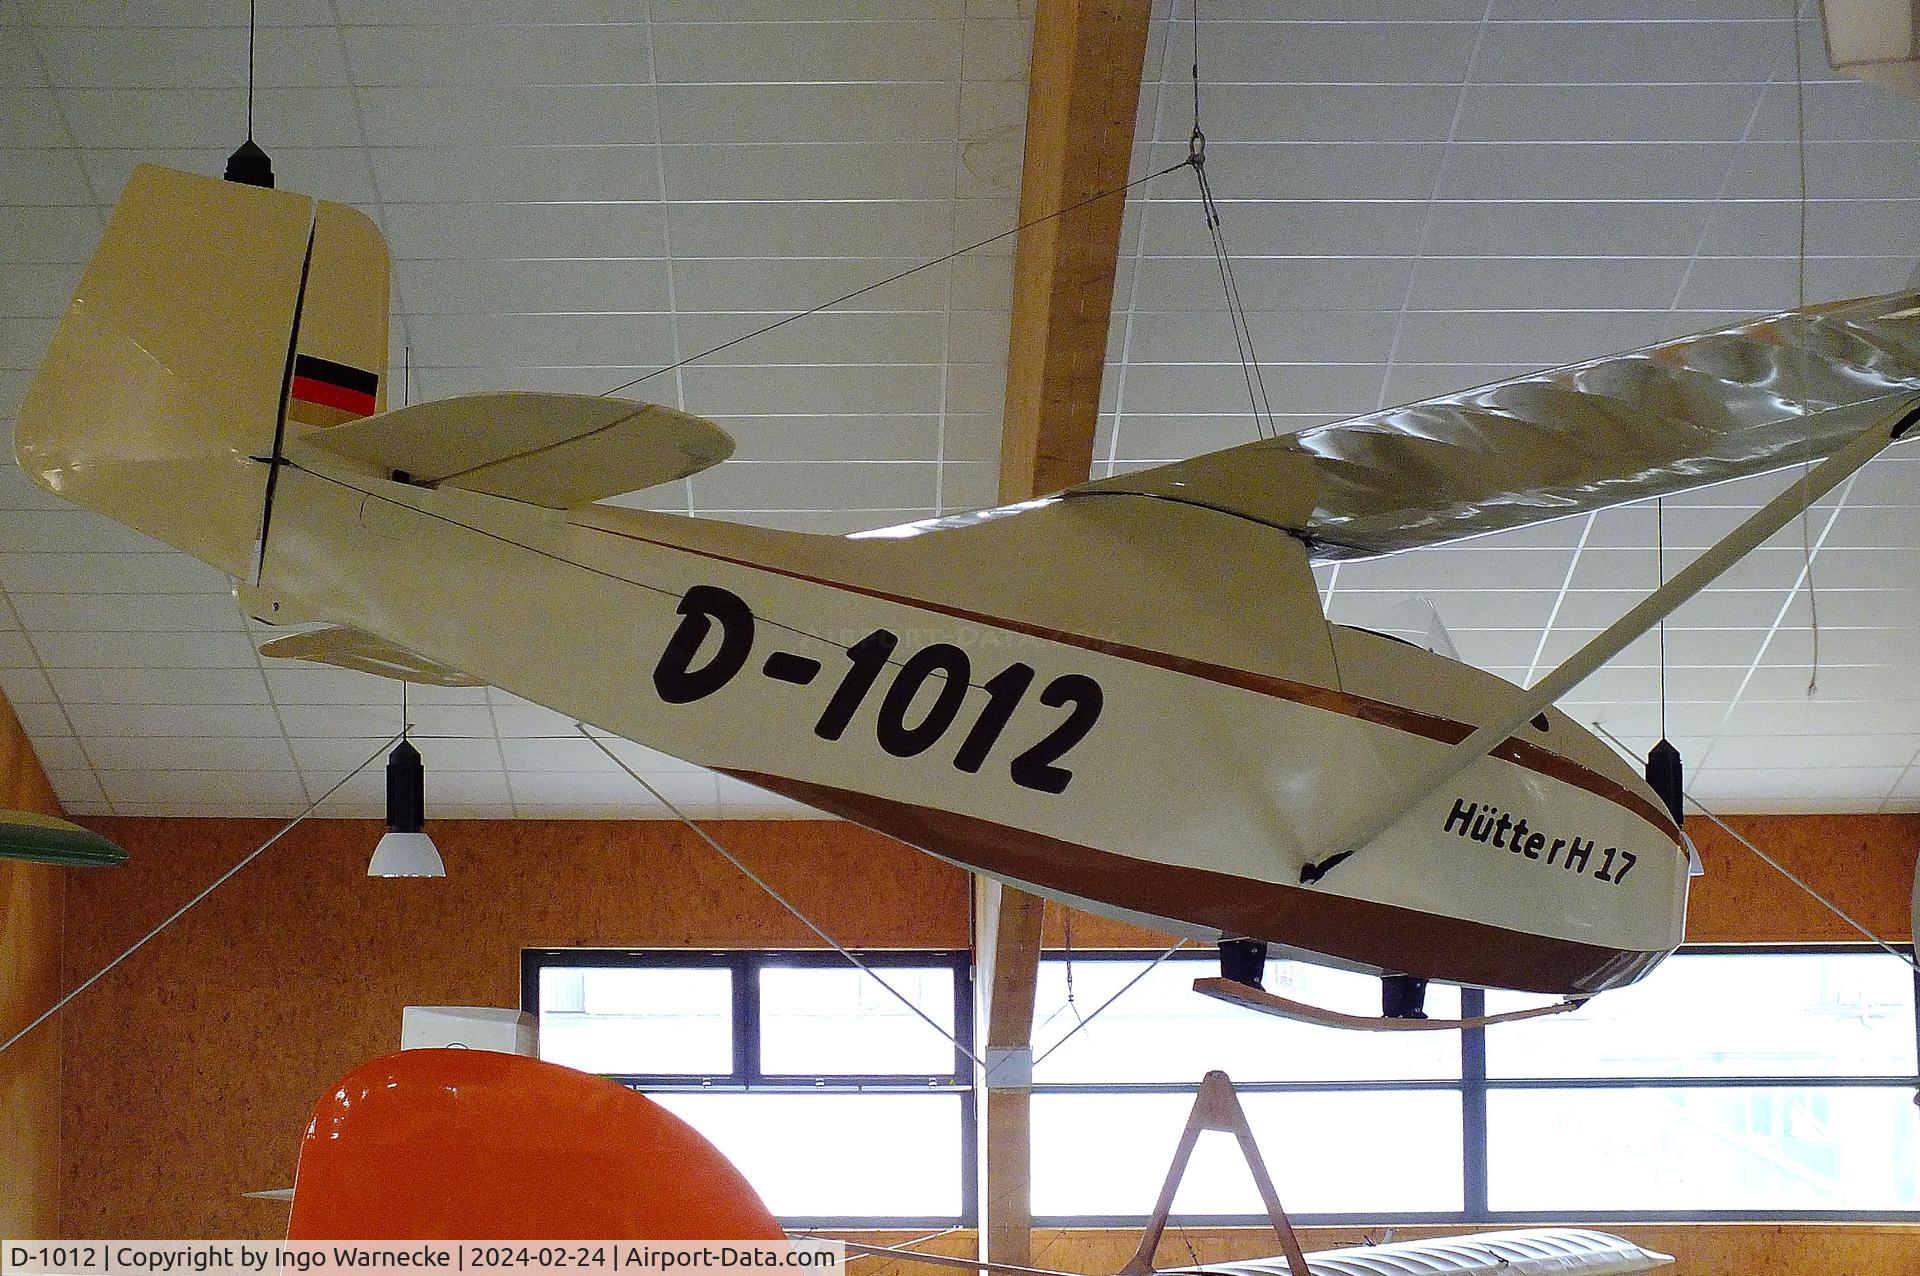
x=1741, y=401
x=348, y=648
x=560, y=451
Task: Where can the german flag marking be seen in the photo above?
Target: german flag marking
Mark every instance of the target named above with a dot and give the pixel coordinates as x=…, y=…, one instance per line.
x=327, y=384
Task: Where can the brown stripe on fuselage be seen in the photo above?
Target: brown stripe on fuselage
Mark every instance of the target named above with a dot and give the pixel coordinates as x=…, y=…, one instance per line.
x=1383, y=935
x=1398, y=717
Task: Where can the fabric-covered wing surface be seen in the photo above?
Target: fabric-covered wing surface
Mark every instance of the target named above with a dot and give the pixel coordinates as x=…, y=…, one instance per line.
x=1720, y=405
x=1534, y=1251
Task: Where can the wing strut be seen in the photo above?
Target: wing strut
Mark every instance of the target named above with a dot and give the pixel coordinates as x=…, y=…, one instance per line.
x=1654, y=608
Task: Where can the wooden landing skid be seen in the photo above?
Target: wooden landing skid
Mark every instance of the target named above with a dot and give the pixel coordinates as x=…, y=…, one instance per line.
x=1246, y=995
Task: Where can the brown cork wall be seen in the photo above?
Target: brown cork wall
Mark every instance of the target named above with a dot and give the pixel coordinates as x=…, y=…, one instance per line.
x=194, y=1065
x=30, y=914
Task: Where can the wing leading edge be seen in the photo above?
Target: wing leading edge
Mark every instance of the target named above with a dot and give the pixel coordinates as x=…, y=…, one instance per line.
x=1720, y=405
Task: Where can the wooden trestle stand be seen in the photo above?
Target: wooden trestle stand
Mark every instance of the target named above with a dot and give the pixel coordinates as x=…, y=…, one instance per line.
x=1216, y=1107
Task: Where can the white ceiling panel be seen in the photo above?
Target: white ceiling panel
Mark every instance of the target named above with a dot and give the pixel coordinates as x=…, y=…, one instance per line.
x=1589, y=177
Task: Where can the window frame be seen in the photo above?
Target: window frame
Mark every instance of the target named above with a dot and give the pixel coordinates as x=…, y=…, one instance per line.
x=746, y=1076
x=1474, y=1086
x=1487, y=1085
x=1209, y=959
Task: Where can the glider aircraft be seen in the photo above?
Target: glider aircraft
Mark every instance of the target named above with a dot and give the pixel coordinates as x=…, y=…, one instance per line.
x=1124, y=696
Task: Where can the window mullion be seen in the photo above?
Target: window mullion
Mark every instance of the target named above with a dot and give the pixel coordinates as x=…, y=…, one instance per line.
x=746, y=1018
x=1473, y=1106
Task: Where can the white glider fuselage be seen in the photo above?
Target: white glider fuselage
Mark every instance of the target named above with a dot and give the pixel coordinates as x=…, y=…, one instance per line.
x=1126, y=697
x=1127, y=703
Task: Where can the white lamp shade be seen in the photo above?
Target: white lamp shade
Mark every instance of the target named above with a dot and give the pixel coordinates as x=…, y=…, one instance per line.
x=406, y=855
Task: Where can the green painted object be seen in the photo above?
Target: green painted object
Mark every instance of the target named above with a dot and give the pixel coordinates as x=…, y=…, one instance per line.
x=46, y=840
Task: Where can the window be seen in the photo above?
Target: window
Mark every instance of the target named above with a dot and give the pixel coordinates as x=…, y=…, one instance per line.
x=1326, y=1105
x=1733, y=1082
x=1739, y=1083
x=839, y=1104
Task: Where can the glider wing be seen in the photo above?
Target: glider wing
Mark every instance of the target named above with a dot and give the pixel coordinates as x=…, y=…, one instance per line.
x=1746, y=400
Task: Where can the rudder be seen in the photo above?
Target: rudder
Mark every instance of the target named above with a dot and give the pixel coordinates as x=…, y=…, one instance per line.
x=213, y=319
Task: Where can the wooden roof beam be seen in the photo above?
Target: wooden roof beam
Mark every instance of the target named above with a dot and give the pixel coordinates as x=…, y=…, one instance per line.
x=1082, y=97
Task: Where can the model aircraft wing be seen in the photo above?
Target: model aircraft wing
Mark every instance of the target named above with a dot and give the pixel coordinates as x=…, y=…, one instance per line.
x=1533, y=1251
x=556, y=450
x=25, y=835
x=1740, y=401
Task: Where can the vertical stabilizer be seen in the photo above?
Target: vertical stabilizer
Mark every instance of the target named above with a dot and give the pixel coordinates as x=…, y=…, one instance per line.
x=166, y=390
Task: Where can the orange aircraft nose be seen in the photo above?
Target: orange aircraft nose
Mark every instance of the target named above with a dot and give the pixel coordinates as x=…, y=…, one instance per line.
x=476, y=1145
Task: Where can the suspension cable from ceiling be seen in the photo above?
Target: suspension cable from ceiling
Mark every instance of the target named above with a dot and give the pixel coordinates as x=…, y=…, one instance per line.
x=249, y=165
x=699, y=831
x=1660, y=559
x=252, y=30
x=1152, y=966
x=1070, y=1004
x=188, y=907
x=1800, y=294
x=878, y=284
x=1264, y=425
x=1771, y=861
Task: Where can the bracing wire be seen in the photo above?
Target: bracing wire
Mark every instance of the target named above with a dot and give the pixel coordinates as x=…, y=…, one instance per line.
x=1800, y=292
x=1074, y=1031
x=1263, y=421
x=1243, y=336
x=187, y=907
x=1195, y=15
x=700, y=832
x=878, y=284
x=252, y=27
x=905, y=1247
x=1070, y=1004
x=1066, y=930
x=1800, y=154
x=1772, y=862
x=1264, y=425
x=1660, y=558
